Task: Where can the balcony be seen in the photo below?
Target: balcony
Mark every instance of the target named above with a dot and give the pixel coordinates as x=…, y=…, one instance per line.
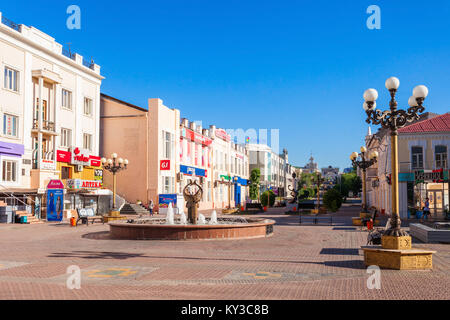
x=48, y=126
x=11, y=24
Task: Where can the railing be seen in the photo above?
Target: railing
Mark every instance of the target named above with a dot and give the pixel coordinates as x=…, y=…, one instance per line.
x=88, y=64
x=11, y=24
x=46, y=125
x=68, y=54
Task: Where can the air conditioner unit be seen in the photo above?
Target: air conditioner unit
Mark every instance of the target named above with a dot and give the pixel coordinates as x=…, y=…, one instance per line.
x=79, y=168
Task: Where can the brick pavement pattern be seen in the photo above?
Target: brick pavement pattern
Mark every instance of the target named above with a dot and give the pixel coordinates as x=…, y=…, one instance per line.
x=297, y=262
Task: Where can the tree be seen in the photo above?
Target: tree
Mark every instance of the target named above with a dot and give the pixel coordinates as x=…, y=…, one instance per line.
x=271, y=198
x=255, y=175
x=332, y=199
x=349, y=182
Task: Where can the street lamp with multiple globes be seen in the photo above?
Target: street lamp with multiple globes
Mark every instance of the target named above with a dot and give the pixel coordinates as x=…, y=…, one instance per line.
x=367, y=160
x=394, y=119
x=114, y=165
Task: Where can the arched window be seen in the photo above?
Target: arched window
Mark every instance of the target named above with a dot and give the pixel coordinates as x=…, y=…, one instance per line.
x=440, y=153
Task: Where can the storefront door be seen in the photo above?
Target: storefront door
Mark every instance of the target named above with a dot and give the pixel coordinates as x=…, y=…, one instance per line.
x=436, y=201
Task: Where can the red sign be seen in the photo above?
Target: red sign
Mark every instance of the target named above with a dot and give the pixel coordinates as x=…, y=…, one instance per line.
x=222, y=134
x=63, y=156
x=196, y=137
x=76, y=157
x=164, y=165
x=55, y=184
x=91, y=184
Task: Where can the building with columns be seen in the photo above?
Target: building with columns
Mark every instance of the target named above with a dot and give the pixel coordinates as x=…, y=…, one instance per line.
x=49, y=105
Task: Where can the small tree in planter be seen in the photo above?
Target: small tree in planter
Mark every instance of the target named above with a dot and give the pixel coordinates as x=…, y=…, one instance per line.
x=254, y=183
x=271, y=198
x=332, y=200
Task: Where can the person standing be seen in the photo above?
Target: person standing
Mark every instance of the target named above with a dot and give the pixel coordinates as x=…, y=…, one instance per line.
x=426, y=209
x=150, y=207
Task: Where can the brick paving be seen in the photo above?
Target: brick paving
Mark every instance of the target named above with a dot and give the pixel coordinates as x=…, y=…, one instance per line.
x=297, y=262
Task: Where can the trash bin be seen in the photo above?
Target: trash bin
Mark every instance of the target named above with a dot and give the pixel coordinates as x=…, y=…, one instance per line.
x=23, y=219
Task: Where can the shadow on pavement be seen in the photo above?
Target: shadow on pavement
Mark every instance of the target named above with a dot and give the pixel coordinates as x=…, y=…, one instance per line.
x=340, y=251
x=96, y=255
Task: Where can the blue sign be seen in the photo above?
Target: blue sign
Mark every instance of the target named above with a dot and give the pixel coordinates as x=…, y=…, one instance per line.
x=55, y=202
x=165, y=199
x=242, y=182
x=193, y=171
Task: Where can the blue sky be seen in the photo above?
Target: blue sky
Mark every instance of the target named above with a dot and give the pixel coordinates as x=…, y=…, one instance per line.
x=297, y=66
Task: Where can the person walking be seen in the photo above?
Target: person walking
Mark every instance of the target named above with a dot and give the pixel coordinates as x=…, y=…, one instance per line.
x=426, y=209
x=150, y=207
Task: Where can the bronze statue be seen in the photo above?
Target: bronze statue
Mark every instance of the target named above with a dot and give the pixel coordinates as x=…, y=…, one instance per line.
x=294, y=191
x=192, y=199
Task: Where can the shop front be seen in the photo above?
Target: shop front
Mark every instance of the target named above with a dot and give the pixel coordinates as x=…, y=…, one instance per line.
x=82, y=176
x=431, y=184
x=239, y=194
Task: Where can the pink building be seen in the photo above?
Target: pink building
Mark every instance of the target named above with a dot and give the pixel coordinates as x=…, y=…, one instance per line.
x=164, y=152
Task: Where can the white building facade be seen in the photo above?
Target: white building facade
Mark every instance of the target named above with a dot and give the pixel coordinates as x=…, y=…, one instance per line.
x=49, y=105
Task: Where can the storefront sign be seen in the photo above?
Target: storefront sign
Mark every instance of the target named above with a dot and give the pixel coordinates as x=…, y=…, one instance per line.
x=98, y=174
x=435, y=176
x=48, y=164
x=78, y=157
x=165, y=199
x=164, y=165
x=55, y=184
x=222, y=134
x=196, y=137
x=192, y=171
x=83, y=184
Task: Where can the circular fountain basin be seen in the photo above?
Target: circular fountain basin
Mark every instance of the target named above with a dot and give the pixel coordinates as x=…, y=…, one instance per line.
x=156, y=229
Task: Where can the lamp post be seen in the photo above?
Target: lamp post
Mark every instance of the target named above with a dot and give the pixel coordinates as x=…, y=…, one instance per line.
x=319, y=181
x=114, y=165
x=394, y=119
x=365, y=162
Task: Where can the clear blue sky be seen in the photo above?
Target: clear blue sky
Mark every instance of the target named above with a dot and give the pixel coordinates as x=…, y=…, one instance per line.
x=299, y=66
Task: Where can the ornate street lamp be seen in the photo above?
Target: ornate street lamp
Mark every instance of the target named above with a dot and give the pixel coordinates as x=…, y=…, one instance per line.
x=393, y=119
x=365, y=162
x=319, y=181
x=114, y=165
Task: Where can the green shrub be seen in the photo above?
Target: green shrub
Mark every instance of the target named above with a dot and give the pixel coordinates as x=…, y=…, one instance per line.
x=332, y=200
x=264, y=198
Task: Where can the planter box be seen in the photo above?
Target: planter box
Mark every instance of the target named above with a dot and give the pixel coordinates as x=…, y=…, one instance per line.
x=429, y=235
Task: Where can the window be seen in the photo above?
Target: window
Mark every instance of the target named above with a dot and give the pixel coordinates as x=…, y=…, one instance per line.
x=65, y=173
x=9, y=169
x=167, y=145
x=441, y=156
x=66, y=137
x=168, y=185
x=417, y=157
x=66, y=99
x=87, y=141
x=10, y=124
x=11, y=79
x=88, y=107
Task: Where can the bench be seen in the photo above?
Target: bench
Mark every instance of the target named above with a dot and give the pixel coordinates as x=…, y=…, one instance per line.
x=256, y=205
x=86, y=215
x=316, y=220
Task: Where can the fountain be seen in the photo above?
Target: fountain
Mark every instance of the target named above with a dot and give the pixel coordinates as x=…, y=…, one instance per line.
x=194, y=227
x=213, y=219
x=169, y=216
x=183, y=219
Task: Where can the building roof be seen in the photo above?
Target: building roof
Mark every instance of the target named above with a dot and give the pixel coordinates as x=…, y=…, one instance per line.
x=437, y=124
x=102, y=95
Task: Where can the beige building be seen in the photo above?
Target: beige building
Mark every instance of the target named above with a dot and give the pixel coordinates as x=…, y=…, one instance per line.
x=423, y=166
